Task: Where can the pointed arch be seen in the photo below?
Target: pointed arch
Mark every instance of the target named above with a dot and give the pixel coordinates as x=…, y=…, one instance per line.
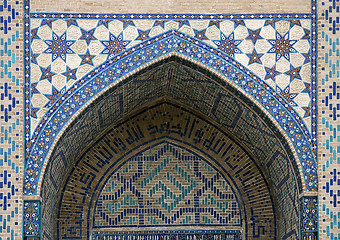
x=187, y=82
x=174, y=43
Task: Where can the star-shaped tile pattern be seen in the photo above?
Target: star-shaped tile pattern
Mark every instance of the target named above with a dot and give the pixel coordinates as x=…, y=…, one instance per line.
x=87, y=35
x=47, y=22
x=271, y=73
x=54, y=96
x=307, y=111
x=246, y=47
x=34, y=112
x=71, y=22
x=289, y=96
x=34, y=34
x=59, y=47
x=255, y=57
x=34, y=58
x=34, y=88
x=294, y=73
x=271, y=22
x=115, y=45
x=307, y=57
x=307, y=34
x=228, y=44
x=159, y=23
x=238, y=23
x=86, y=58
x=200, y=34
x=127, y=23
x=104, y=22
x=70, y=74
x=307, y=88
x=143, y=35
x=215, y=23
x=294, y=22
x=282, y=46
x=46, y=73
x=254, y=35
x=183, y=23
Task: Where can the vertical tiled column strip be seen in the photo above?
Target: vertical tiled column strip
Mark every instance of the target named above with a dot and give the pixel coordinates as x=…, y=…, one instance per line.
x=309, y=218
x=329, y=118
x=11, y=119
x=31, y=219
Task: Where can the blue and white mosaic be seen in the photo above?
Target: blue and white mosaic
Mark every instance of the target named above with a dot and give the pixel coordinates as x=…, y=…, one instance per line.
x=171, y=41
x=65, y=50
x=309, y=214
x=58, y=60
x=31, y=218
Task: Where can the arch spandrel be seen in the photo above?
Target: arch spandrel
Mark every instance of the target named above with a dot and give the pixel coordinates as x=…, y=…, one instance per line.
x=92, y=84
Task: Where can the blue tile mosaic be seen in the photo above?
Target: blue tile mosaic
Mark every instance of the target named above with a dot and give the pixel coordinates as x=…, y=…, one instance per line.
x=174, y=41
x=180, y=189
x=31, y=218
x=329, y=134
x=10, y=98
x=287, y=189
x=10, y=119
x=309, y=214
x=9, y=12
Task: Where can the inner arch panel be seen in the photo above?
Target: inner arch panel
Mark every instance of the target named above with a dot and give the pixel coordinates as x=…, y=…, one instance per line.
x=166, y=185
x=144, y=129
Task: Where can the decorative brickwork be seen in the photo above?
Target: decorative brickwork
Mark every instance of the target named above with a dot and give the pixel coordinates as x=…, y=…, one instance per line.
x=11, y=119
x=138, y=56
x=329, y=119
x=151, y=126
x=166, y=185
x=73, y=72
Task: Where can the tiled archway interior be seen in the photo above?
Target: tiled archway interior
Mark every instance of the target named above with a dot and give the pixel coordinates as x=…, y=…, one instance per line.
x=217, y=104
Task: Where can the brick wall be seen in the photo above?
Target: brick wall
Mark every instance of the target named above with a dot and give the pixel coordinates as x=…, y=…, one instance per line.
x=172, y=6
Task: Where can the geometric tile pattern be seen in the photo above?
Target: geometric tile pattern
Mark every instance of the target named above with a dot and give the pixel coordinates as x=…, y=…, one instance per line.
x=329, y=119
x=11, y=116
x=31, y=218
x=10, y=112
x=176, y=78
x=166, y=186
x=165, y=235
x=238, y=169
x=185, y=45
x=64, y=50
x=309, y=214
